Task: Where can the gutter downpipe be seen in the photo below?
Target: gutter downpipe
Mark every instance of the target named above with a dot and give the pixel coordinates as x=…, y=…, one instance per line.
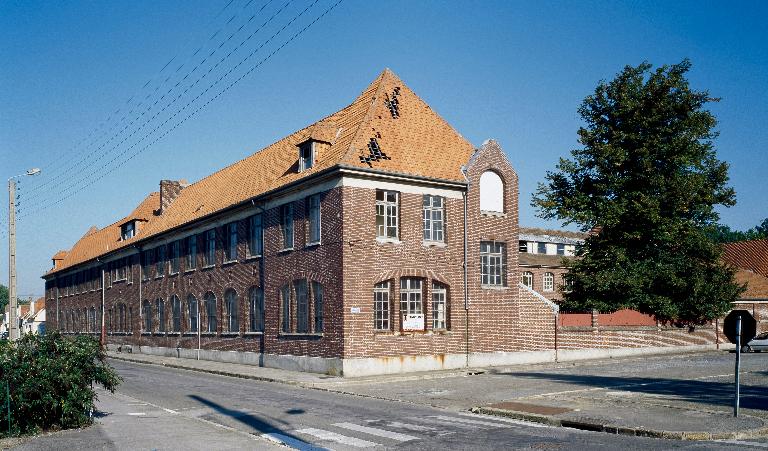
x=466, y=287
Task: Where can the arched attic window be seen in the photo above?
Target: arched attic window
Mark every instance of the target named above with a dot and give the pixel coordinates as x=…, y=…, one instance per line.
x=491, y=192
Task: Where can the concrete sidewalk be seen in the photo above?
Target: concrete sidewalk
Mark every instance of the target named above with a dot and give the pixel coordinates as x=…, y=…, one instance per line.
x=677, y=397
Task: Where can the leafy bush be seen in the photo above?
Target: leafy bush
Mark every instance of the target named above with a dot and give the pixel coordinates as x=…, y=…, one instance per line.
x=51, y=380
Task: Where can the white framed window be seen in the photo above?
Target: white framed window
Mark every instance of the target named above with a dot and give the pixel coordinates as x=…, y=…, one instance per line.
x=313, y=206
x=173, y=262
x=231, y=248
x=230, y=300
x=381, y=310
x=387, y=214
x=255, y=236
x=433, y=213
x=306, y=156
x=523, y=246
x=146, y=264
x=285, y=295
x=317, y=294
x=560, y=249
x=286, y=225
x=302, y=306
x=527, y=279
x=191, y=260
x=548, y=281
x=439, y=306
x=128, y=230
x=159, y=261
x=211, y=312
x=210, y=247
x=256, y=309
x=192, y=313
x=160, y=314
x=175, y=314
x=491, y=192
x=493, y=268
x=411, y=297
x=541, y=247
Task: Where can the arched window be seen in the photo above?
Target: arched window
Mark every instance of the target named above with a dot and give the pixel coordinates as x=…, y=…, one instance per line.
x=230, y=300
x=160, y=314
x=302, y=306
x=175, y=313
x=491, y=192
x=548, y=281
x=439, y=306
x=210, y=311
x=147, y=307
x=192, y=314
x=256, y=309
x=411, y=303
x=527, y=279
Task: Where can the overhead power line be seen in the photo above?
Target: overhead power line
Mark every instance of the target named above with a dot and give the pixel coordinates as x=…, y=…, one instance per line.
x=108, y=171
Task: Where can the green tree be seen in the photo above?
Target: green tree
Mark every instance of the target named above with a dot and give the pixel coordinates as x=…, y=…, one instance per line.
x=3, y=298
x=724, y=234
x=647, y=178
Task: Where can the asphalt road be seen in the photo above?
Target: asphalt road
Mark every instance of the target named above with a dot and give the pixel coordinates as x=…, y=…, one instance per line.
x=308, y=419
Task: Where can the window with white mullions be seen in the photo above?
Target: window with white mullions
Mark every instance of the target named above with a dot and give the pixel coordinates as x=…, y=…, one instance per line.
x=302, y=306
x=192, y=313
x=173, y=262
x=411, y=297
x=548, y=281
x=493, y=271
x=381, y=310
x=210, y=247
x=191, y=262
x=175, y=314
x=306, y=156
x=159, y=261
x=433, y=214
x=211, y=312
x=286, y=225
x=255, y=236
x=526, y=278
x=256, y=309
x=231, y=249
x=230, y=300
x=387, y=214
x=439, y=306
x=314, y=219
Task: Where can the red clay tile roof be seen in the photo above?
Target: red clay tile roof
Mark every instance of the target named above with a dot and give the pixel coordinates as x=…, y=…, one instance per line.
x=417, y=142
x=757, y=284
x=751, y=255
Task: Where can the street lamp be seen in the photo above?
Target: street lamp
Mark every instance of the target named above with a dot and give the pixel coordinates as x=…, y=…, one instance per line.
x=13, y=322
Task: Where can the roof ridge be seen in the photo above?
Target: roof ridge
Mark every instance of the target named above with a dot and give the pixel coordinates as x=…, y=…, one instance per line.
x=367, y=118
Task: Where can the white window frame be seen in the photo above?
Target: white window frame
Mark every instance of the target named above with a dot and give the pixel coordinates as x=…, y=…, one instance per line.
x=493, y=264
x=193, y=313
x=306, y=161
x=287, y=226
x=301, y=289
x=314, y=226
x=389, y=211
x=433, y=217
x=255, y=235
x=190, y=262
x=548, y=282
x=210, y=248
x=382, y=307
x=411, y=297
x=175, y=314
x=128, y=230
x=255, y=310
x=231, y=248
x=174, y=264
x=439, y=306
x=526, y=278
x=211, y=313
x=231, y=303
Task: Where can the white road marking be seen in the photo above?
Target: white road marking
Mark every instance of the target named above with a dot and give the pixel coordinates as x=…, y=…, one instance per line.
x=294, y=443
x=377, y=432
x=170, y=410
x=409, y=427
x=464, y=421
x=338, y=438
x=137, y=414
x=505, y=420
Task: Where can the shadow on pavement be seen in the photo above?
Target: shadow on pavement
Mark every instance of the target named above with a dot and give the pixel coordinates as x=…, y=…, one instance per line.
x=701, y=392
x=248, y=419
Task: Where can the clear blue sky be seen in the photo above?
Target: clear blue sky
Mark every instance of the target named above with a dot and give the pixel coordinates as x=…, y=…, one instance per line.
x=508, y=70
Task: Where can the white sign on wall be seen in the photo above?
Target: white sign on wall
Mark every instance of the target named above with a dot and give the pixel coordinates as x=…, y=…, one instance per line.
x=354, y=310
x=413, y=322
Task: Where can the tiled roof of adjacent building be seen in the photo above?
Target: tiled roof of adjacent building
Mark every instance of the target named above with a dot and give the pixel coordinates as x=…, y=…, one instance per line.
x=388, y=128
x=751, y=255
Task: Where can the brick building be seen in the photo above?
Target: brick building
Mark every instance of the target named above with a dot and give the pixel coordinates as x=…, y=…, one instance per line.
x=543, y=254
x=377, y=240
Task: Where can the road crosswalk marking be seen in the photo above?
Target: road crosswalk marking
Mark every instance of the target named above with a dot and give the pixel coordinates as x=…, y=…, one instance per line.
x=338, y=438
x=463, y=421
x=377, y=432
x=292, y=442
x=409, y=426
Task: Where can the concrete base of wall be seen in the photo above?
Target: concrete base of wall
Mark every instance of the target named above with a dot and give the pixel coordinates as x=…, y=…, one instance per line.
x=407, y=364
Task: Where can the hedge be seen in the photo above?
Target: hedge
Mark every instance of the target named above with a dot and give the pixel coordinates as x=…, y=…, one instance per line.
x=50, y=379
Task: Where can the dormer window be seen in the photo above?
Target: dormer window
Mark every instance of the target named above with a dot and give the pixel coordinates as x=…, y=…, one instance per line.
x=128, y=230
x=306, y=155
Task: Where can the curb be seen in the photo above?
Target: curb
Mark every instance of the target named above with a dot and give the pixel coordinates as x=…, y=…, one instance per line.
x=623, y=430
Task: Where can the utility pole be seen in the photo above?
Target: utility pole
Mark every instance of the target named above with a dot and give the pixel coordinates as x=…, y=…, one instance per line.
x=13, y=321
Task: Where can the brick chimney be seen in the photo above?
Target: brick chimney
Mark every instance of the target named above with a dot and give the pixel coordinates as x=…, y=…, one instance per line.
x=169, y=191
